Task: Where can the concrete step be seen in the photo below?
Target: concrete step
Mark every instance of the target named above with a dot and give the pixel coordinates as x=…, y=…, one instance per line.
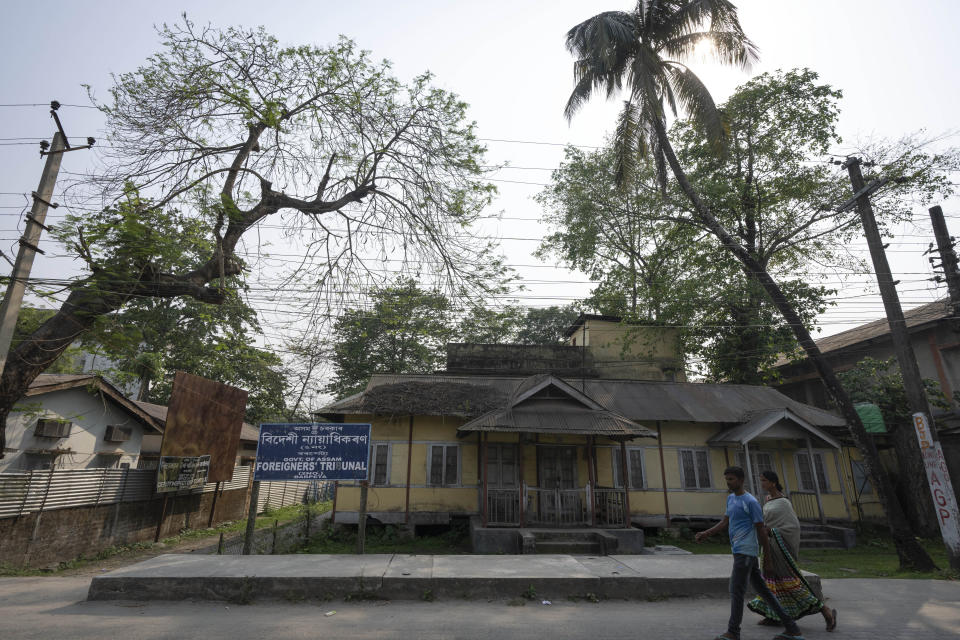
x=564, y=534
x=570, y=547
x=817, y=535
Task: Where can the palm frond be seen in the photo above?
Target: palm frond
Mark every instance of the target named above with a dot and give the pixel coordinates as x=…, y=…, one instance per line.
x=588, y=77
x=684, y=45
x=733, y=48
x=604, y=46
x=582, y=89
x=690, y=15
x=597, y=36
x=696, y=100
x=629, y=143
x=723, y=27
x=647, y=76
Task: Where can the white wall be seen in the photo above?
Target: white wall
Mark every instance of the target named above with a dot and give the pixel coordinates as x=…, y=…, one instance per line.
x=90, y=414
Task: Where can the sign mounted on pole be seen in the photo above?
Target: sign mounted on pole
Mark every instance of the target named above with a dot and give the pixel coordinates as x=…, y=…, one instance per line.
x=177, y=473
x=312, y=451
x=944, y=500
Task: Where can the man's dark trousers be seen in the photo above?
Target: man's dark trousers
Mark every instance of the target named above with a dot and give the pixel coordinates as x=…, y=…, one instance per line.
x=747, y=568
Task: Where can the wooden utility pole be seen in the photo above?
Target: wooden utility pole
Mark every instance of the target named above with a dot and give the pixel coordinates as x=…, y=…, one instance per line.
x=362, y=518
x=912, y=382
x=251, y=518
x=29, y=246
x=948, y=258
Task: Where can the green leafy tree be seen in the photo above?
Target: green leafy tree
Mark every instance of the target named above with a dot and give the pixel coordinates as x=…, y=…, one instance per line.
x=29, y=319
x=405, y=330
x=546, y=325
x=224, y=129
x=621, y=237
x=639, y=52
x=514, y=324
x=880, y=382
x=152, y=339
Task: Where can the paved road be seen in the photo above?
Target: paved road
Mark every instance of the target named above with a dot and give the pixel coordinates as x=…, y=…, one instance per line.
x=869, y=609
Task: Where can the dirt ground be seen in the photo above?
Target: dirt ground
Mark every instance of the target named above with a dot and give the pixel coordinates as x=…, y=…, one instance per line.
x=94, y=567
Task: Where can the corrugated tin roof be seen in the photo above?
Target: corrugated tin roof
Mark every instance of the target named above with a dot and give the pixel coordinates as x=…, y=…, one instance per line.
x=247, y=431
x=753, y=428
x=644, y=401
x=51, y=382
x=55, y=379
x=916, y=317
x=557, y=417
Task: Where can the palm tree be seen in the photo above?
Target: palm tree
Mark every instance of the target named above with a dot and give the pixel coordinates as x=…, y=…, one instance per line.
x=640, y=54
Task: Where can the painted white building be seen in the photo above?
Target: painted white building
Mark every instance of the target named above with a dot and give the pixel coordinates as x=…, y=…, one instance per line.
x=75, y=421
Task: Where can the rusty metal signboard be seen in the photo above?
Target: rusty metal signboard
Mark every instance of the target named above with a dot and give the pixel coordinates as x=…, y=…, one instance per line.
x=204, y=418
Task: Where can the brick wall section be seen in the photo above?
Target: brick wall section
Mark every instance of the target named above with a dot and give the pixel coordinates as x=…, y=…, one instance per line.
x=63, y=534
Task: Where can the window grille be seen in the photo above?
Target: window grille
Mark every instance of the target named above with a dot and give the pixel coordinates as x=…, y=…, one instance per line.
x=695, y=468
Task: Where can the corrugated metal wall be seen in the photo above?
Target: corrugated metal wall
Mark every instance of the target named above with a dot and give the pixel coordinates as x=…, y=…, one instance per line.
x=22, y=493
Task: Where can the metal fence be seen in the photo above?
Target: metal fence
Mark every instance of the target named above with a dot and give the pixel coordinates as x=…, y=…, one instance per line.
x=27, y=492
x=286, y=538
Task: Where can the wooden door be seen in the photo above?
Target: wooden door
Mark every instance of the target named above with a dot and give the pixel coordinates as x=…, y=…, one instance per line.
x=561, y=502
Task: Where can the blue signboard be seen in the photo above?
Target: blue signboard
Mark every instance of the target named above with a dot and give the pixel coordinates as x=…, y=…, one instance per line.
x=314, y=451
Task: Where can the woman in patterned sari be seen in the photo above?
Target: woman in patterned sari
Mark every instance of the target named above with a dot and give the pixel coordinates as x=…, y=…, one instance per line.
x=780, y=571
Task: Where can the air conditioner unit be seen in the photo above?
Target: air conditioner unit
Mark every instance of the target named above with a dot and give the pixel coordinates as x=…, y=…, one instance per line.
x=118, y=434
x=48, y=428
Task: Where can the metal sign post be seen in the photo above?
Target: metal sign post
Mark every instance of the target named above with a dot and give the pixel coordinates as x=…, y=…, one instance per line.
x=315, y=451
x=944, y=500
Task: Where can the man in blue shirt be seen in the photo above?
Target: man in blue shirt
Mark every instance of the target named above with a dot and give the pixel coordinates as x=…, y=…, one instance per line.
x=744, y=519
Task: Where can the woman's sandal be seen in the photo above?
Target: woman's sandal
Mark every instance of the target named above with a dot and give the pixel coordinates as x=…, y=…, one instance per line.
x=833, y=625
x=787, y=636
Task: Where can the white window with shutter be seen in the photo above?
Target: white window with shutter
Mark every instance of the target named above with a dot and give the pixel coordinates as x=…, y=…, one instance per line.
x=443, y=465
x=635, y=469
x=695, y=468
x=380, y=464
x=804, y=475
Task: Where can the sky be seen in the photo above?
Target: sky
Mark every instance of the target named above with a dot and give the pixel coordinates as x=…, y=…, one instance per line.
x=894, y=61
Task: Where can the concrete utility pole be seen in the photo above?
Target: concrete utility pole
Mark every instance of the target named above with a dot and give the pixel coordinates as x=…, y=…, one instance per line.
x=28, y=247
x=10, y=308
x=912, y=382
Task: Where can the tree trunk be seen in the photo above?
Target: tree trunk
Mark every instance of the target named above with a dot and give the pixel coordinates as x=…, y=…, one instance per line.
x=81, y=308
x=912, y=484
x=911, y=554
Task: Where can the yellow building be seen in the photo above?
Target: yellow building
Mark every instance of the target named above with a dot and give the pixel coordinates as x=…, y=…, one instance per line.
x=493, y=438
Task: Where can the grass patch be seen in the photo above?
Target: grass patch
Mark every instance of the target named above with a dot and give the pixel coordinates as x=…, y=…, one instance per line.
x=874, y=557
x=285, y=515
x=387, y=539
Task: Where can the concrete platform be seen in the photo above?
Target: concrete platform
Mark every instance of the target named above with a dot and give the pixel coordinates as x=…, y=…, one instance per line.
x=299, y=577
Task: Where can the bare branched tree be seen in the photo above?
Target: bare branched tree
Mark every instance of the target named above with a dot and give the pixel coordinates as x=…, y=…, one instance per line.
x=228, y=127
